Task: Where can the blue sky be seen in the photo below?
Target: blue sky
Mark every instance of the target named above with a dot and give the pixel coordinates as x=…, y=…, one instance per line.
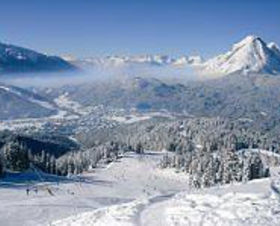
x=104, y=27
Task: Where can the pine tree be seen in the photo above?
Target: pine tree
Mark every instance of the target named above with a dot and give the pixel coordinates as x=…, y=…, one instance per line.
x=1, y=167
x=208, y=177
x=15, y=156
x=256, y=167
x=52, y=165
x=139, y=148
x=220, y=172
x=48, y=163
x=246, y=168
x=43, y=160
x=70, y=166
x=231, y=170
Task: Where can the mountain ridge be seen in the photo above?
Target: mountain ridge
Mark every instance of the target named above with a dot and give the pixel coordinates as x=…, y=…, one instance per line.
x=148, y=59
x=15, y=59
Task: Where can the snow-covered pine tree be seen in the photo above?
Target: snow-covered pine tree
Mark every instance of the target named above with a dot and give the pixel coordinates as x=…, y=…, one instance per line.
x=208, y=176
x=256, y=168
x=231, y=171
x=246, y=162
x=53, y=165
x=15, y=156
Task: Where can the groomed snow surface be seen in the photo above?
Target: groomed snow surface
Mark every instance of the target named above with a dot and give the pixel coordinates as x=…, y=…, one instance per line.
x=232, y=208
x=132, y=177
x=133, y=191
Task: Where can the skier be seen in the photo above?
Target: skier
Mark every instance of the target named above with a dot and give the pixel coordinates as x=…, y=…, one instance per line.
x=27, y=191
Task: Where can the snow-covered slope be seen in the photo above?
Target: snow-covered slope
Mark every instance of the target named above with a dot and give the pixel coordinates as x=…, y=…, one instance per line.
x=238, y=209
x=251, y=54
x=18, y=59
x=20, y=103
x=134, y=191
x=132, y=177
x=254, y=203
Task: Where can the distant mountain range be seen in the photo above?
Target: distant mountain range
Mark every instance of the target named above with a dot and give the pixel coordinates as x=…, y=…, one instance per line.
x=152, y=60
x=14, y=59
x=250, y=55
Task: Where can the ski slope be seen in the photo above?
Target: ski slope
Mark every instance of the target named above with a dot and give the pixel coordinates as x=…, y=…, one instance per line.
x=132, y=177
x=232, y=205
x=254, y=203
x=134, y=191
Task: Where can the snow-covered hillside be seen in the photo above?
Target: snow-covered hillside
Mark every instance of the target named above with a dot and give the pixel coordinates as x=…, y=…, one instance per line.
x=20, y=103
x=251, y=54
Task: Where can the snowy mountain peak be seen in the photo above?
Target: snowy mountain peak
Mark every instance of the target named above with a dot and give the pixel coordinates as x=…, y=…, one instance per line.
x=249, y=55
x=250, y=41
